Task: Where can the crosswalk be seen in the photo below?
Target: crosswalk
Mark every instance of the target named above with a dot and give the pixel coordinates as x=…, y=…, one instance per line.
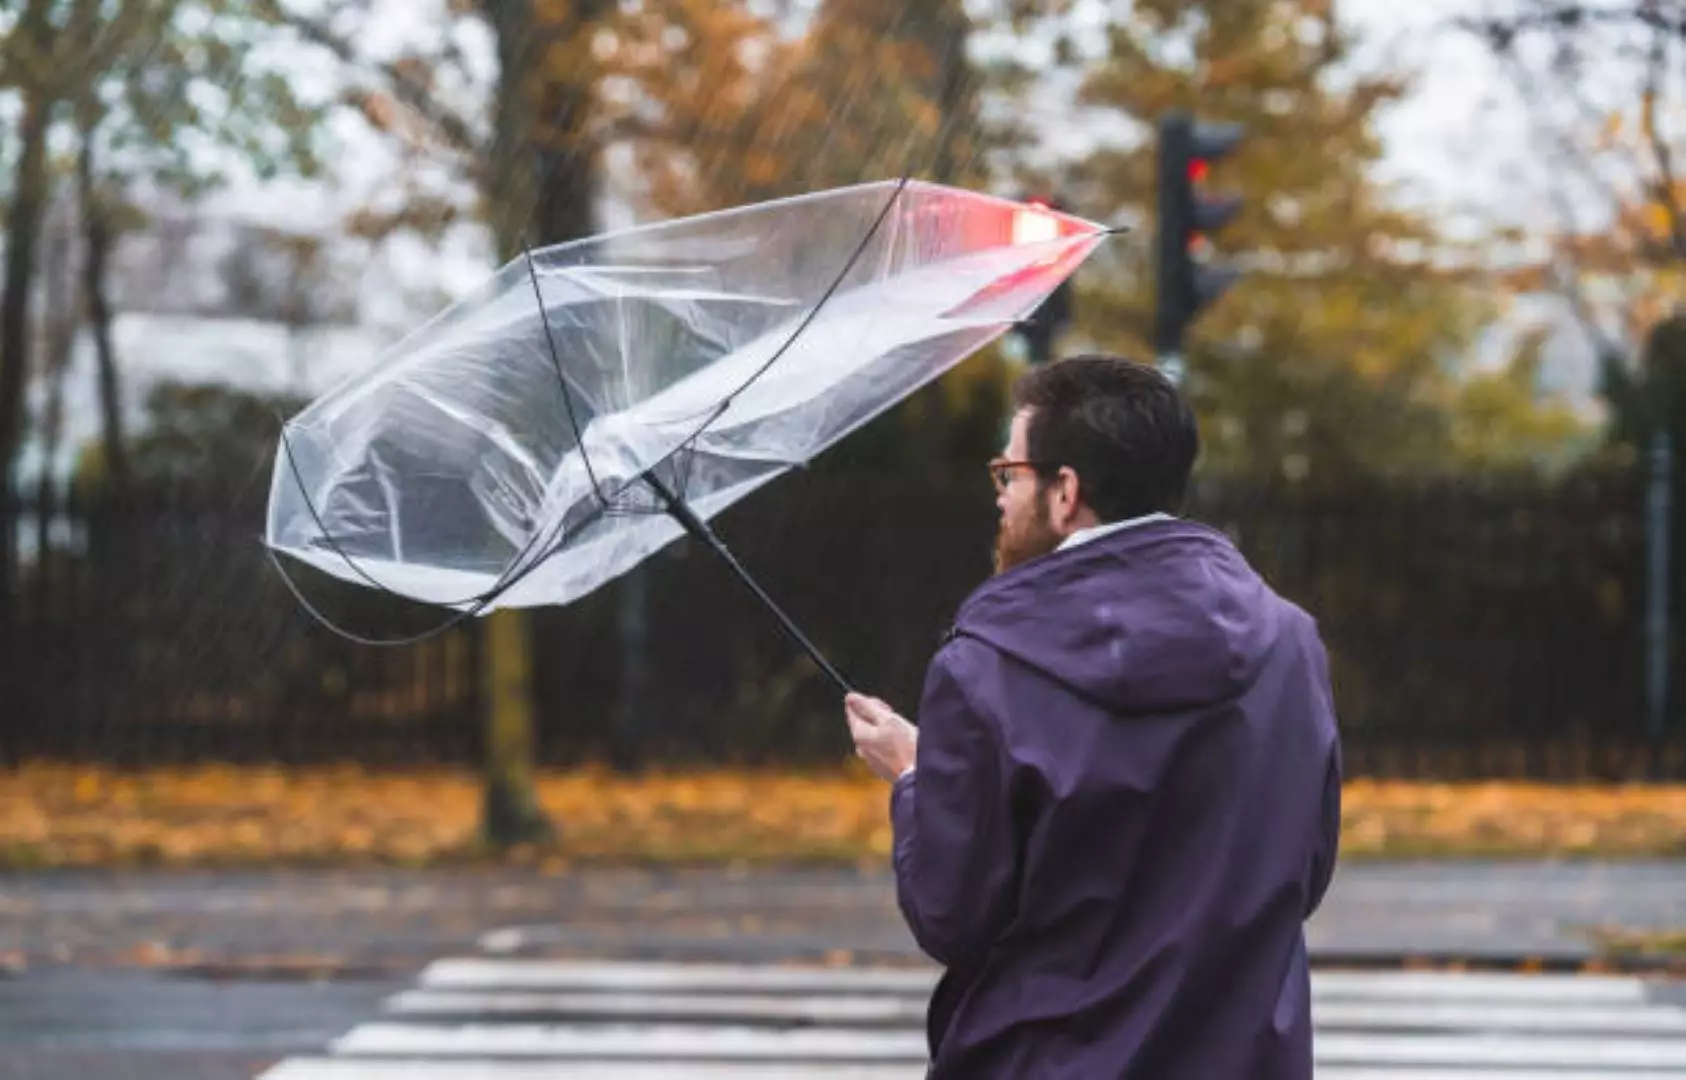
x=526, y=1019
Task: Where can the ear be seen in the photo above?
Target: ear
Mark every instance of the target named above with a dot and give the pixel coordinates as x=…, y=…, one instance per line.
x=1068, y=495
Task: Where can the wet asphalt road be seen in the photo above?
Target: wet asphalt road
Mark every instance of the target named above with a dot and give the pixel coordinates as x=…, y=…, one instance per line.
x=208, y=976
x=215, y=976
x=379, y=921
x=115, y=1024
x=1494, y=909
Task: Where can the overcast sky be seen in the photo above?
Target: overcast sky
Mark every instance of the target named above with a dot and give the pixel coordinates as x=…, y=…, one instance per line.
x=1462, y=137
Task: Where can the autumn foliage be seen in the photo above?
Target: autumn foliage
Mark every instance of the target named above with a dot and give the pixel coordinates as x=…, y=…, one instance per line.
x=56, y=815
x=66, y=815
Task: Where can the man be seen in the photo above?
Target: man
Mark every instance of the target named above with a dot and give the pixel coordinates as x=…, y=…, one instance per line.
x=1123, y=796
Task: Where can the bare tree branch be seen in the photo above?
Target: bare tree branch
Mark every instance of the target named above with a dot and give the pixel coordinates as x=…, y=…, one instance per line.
x=1572, y=156
x=1569, y=25
x=1502, y=31
x=407, y=89
x=91, y=42
x=1568, y=284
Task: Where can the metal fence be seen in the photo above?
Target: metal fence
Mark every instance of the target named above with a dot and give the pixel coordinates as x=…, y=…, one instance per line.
x=1477, y=628
x=152, y=629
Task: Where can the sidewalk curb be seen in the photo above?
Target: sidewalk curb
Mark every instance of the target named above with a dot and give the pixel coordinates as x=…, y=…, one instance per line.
x=1526, y=964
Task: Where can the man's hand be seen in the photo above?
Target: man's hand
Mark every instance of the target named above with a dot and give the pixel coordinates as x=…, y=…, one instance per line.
x=884, y=740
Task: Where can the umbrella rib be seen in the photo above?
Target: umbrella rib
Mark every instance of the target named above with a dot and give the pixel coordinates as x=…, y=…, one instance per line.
x=813, y=312
x=469, y=607
x=474, y=607
x=561, y=378
x=688, y=518
x=674, y=503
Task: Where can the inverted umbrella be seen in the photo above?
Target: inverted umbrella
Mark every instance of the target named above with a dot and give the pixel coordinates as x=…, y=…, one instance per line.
x=597, y=399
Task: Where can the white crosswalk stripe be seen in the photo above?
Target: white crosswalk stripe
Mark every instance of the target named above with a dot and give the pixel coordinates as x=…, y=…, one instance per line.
x=480, y=1019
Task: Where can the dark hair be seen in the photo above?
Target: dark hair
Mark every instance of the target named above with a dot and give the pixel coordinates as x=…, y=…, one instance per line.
x=1121, y=426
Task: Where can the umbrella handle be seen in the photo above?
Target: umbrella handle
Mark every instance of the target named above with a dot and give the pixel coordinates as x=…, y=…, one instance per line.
x=697, y=527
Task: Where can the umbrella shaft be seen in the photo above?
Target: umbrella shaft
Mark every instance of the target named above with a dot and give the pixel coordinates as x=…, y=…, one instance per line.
x=697, y=527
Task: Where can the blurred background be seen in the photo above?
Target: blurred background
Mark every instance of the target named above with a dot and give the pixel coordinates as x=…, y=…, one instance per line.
x=1436, y=403
x=1441, y=401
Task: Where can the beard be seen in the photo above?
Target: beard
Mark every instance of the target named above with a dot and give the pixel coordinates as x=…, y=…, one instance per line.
x=1030, y=538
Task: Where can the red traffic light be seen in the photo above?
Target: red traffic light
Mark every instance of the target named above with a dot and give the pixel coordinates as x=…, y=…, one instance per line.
x=1197, y=170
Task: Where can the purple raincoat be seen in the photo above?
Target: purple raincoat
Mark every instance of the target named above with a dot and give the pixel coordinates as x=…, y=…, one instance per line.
x=1126, y=801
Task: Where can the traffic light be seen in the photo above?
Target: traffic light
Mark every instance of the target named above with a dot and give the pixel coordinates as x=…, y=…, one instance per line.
x=1048, y=321
x=1186, y=282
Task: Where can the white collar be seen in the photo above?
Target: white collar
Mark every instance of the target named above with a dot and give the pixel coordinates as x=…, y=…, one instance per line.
x=1095, y=532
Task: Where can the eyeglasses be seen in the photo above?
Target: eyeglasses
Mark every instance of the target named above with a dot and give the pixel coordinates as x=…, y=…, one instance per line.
x=1001, y=471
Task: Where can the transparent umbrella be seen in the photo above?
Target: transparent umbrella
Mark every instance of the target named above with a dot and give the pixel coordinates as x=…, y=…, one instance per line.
x=598, y=399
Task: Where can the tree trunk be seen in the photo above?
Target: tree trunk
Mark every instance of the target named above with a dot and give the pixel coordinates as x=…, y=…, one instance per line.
x=956, y=94
x=509, y=192
x=566, y=159
x=29, y=190
x=542, y=187
x=97, y=236
x=510, y=813
x=60, y=319
x=546, y=162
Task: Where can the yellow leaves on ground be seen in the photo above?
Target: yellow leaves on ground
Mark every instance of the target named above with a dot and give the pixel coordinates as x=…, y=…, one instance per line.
x=57, y=815
x=77, y=815
x=1397, y=818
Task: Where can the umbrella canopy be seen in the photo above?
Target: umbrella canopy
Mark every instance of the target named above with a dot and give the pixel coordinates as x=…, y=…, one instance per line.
x=531, y=442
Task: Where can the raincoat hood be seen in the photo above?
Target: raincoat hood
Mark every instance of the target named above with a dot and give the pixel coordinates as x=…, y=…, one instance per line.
x=1182, y=622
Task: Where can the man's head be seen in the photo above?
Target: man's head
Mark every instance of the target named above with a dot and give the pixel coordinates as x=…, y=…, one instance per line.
x=1095, y=439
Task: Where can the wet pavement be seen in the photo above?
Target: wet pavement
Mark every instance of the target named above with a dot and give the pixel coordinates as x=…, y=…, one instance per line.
x=392, y=921
x=375, y=922
x=212, y=976
x=1494, y=909
x=115, y=1024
